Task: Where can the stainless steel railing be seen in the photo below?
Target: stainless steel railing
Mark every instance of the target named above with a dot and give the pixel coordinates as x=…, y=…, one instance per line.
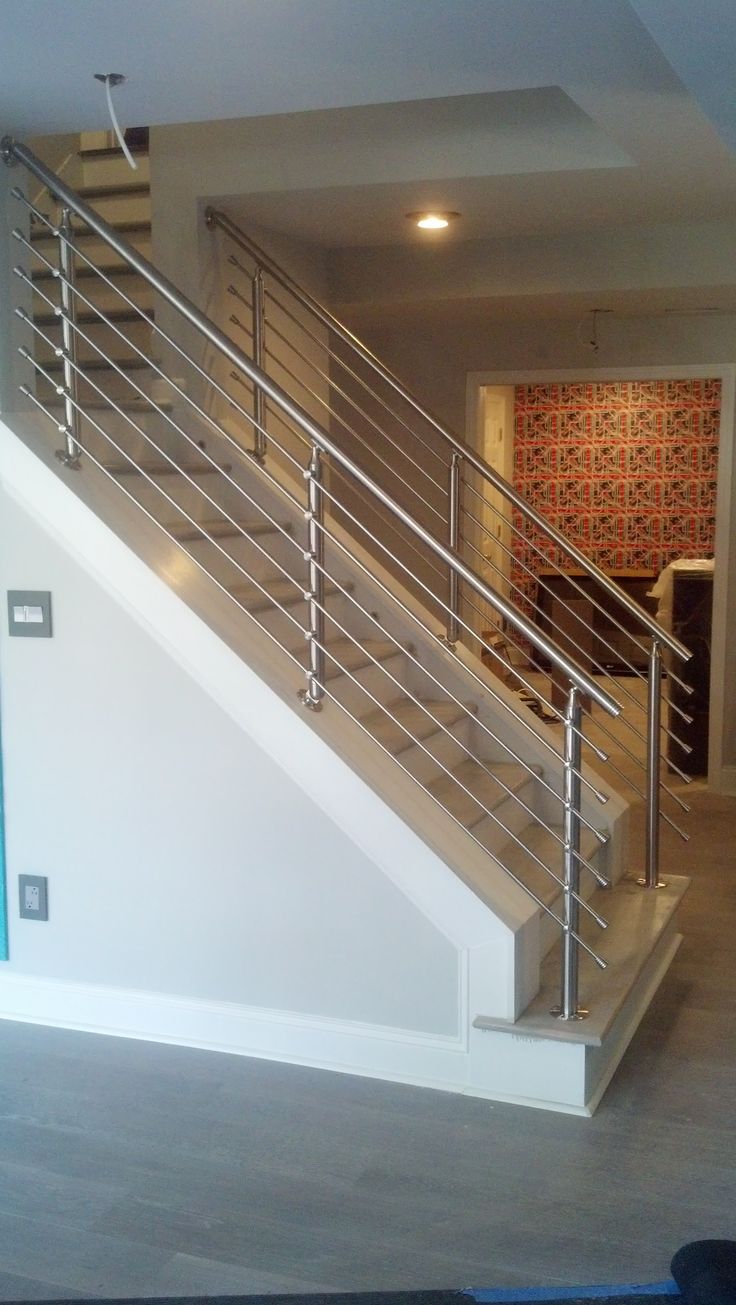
x=449, y=485
x=307, y=596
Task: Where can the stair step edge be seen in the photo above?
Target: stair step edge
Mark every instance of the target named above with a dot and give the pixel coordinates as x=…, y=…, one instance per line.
x=638, y=920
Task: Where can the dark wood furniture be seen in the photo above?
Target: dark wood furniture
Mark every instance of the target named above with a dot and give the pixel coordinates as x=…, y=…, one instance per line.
x=692, y=605
x=603, y=625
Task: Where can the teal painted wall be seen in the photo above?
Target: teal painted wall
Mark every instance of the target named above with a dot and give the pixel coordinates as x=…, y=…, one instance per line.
x=3, y=897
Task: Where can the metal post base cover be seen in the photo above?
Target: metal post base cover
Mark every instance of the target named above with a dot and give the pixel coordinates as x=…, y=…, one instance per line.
x=580, y=1013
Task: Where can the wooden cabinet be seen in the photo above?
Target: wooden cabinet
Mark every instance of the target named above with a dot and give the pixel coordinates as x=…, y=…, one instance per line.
x=692, y=604
x=601, y=631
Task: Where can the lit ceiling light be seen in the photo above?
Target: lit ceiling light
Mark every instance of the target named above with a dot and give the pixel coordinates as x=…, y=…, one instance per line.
x=432, y=221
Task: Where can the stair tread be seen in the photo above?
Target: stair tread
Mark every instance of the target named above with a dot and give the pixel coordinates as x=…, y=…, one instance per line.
x=160, y=467
x=120, y=189
x=113, y=152
x=221, y=528
x=111, y=270
x=102, y=365
x=283, y=591
x=103, y=405
x=348, y=656
x=117, y=316
x=490, y=792
x=408, y=714
x=637, y=920
x=40, y=234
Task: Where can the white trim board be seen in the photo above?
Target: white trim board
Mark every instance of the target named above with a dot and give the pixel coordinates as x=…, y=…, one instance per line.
x=724, y=583
x=371, y=1051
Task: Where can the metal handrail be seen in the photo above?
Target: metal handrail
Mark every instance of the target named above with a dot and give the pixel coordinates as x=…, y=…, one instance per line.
x=16, y=151
x=215, y=217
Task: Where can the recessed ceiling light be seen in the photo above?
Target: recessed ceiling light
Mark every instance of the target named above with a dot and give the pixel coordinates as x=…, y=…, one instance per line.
x=432, y=221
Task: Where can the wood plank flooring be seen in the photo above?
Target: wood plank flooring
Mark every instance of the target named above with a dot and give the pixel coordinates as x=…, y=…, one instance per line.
x=129, y=1168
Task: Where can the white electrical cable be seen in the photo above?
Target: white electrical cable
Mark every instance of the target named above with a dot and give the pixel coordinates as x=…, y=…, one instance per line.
x=116, y=124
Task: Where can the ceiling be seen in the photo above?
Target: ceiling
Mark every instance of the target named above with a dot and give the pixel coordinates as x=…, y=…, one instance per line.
x=190, y=61
x=531, y=117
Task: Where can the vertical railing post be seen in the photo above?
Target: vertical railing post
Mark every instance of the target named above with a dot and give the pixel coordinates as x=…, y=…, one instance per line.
x=313, y=694
x=651, y=877
x=569, y=1007
x=71, y=452
x=455, y=473
x=259, y=333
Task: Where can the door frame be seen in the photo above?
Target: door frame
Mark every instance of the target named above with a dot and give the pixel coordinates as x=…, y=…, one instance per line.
x=722, y=741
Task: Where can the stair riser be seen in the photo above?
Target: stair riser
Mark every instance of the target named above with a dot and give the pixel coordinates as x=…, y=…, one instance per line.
x=371, y=680
x=109, y=344
x=122, y=208
x=189, y=497
x=441, y=747
x=95, y=250
x=111, y=386
x=114, y=171
x=97, y=295
x=248, y=554
x=511, y=818
x=283, y=628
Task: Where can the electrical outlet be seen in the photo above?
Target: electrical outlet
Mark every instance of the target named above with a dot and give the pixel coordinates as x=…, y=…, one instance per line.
x=34, y=899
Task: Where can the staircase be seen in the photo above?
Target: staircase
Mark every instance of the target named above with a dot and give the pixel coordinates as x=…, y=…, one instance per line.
x=318, y=556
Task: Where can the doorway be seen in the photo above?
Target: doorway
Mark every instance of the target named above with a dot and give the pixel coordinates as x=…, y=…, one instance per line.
x=485, y=396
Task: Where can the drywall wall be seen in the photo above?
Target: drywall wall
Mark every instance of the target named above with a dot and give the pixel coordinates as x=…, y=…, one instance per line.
x=181, y=860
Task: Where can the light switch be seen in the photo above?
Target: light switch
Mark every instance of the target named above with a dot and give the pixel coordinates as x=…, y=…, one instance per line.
x=29, y=613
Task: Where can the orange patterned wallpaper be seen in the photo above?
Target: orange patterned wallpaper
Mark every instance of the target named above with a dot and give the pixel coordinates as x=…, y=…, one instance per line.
x=626, y=470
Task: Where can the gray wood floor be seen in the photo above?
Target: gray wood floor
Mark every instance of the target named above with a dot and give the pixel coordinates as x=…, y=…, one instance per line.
x=136, y=1169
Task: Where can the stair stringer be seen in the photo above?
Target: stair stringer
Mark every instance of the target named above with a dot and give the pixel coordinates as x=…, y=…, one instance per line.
x=492, y=944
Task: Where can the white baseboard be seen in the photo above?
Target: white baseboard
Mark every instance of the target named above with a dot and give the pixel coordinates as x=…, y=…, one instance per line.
x=340, y=1045
x=397, y=1055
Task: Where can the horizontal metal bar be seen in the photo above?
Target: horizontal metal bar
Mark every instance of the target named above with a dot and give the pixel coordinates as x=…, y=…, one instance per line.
x=109, y=475
x=483, y=763
x=190, y=480
x=215, y=216
x=283, y=401
x=274, y=330
x=373, y=453
x=542, y=582
x=435, y=598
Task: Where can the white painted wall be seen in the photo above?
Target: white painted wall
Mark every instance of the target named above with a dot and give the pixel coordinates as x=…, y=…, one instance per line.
x=217, y=874
x=180, y=859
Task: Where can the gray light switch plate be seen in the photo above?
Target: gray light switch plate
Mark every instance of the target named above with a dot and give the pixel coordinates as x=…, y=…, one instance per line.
x=33, y=895
x=29, y=613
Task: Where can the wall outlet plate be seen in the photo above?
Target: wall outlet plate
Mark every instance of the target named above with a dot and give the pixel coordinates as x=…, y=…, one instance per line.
x=33, y=897
x=29, y=613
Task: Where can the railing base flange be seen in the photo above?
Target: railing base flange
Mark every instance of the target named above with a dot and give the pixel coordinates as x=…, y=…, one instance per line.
x=644, y=883
x=581, y=1013
x=72, y=461
x=313, y=704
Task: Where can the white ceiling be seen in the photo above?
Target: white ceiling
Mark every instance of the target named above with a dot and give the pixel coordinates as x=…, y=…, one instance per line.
x=536, y=116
